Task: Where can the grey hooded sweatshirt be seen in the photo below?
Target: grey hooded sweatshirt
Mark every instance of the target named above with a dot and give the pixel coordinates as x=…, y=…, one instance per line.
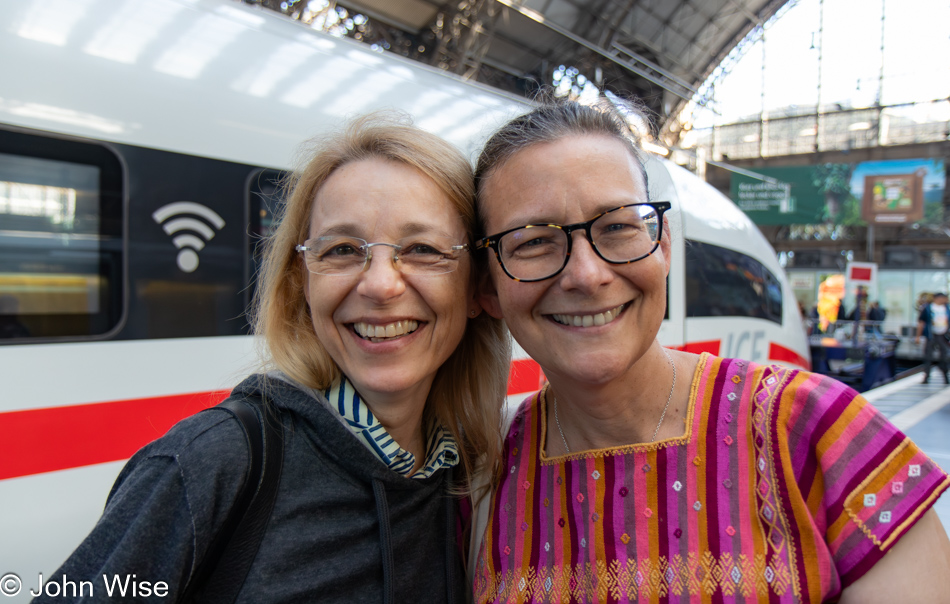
x=344, y=527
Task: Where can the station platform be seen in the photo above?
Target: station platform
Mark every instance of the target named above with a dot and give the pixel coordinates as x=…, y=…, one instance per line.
x=922, y=412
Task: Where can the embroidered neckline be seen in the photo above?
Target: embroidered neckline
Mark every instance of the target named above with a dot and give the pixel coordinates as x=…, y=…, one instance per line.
x=540, y=404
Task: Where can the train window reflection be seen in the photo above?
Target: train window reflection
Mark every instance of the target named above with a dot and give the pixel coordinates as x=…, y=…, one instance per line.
x=725, y=283
x=60, y=238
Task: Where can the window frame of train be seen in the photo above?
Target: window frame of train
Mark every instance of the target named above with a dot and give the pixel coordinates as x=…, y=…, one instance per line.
x=715, y=275
x=62, y=250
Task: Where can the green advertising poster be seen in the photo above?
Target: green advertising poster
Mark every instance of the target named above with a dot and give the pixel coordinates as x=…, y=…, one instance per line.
x=793, y=195
x=838, y=193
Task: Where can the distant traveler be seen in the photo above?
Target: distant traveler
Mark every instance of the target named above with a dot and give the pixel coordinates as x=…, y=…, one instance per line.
x=860, y=310
x=876, y=312
x=642, y=474
x=876, y=315
x=932, y=324
x=385, y=380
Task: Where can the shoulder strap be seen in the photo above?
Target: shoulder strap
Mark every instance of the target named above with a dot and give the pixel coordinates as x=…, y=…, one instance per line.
x=222, y=572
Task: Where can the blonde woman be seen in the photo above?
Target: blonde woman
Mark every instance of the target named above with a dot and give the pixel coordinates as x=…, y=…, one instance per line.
x=374, y=340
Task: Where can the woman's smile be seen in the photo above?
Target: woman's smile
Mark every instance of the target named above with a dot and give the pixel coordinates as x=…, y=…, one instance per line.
x=383, y=332
x=589, y=319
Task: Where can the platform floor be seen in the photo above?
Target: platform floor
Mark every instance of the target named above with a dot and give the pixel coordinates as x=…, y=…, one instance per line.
x=922, y=412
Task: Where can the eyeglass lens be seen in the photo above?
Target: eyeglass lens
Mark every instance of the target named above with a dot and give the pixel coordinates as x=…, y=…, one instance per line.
x=621, y=235
x=349, y=255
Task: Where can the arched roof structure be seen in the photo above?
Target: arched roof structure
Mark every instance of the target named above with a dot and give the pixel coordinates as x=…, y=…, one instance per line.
x=660, y=51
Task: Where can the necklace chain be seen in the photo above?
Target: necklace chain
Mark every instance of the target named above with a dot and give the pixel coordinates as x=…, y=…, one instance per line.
x=669, y=397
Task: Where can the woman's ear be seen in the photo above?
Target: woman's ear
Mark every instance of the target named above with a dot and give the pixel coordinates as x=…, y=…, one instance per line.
x=487, y=296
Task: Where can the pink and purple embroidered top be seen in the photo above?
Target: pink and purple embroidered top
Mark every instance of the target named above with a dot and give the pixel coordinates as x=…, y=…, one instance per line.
x=787, y=486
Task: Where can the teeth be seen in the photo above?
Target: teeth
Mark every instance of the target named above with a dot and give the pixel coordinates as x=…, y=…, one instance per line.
x=377, y=333
x=589, y=320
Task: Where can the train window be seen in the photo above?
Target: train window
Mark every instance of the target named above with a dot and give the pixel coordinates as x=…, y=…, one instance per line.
x=60, y=238
x=725, y=283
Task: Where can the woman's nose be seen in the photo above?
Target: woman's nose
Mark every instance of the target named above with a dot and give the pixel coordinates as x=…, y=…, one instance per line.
x=585, y=270
x=381, y=279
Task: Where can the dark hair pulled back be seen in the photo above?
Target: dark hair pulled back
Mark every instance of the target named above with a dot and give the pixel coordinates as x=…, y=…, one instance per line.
x=553, y=120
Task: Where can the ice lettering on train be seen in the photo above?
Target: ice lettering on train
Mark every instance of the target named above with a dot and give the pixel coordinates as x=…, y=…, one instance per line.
x=745, y=345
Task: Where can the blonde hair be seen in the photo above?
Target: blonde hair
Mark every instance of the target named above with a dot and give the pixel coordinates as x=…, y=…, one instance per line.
x=469, y=389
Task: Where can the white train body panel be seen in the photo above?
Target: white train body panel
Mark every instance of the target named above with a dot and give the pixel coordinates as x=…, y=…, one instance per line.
x=205, y=80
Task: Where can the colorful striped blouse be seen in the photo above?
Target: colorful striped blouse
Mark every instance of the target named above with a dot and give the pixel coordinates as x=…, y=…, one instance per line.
x=787, y=486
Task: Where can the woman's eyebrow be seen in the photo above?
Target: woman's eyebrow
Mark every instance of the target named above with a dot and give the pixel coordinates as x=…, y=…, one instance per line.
x=600, y=209
x=409, y=229
x=420, y=228
x=348, y=229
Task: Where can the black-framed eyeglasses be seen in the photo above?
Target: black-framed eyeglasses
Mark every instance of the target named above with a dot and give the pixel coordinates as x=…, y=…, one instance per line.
x=535, y=252
x=345, y=256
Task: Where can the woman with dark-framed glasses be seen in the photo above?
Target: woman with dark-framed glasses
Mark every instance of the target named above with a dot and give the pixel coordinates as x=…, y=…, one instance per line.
x=383, y=378
x=644, y=474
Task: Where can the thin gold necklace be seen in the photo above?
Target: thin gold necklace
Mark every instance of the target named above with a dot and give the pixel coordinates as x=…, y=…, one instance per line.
x=669, y=397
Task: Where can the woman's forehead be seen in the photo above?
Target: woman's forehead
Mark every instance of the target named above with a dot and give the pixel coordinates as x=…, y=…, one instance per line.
x=378, y=195
x=543, y=181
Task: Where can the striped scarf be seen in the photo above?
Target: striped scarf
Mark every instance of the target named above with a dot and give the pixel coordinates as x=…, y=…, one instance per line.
x=441, y=447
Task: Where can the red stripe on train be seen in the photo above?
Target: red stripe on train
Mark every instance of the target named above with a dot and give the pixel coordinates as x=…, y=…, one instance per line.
x=710, y=346
x=525, y=376
x=35, y=441
x=58, y=438
x=778, y=352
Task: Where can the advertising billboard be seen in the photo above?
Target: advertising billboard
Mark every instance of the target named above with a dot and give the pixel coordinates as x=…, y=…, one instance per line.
x=875, y=192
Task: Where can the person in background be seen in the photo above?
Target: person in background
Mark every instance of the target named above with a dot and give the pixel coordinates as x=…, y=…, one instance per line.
x=876, y=312
x=385, y=379
x=860, y=310
x=932, y=324
x=842, y=310
x=876, y=315
x=815, y=320
x=645, y=474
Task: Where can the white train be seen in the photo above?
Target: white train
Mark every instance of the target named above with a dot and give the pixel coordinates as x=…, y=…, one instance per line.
x=139, y=146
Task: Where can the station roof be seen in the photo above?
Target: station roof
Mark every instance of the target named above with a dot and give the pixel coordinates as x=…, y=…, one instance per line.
x=660, y=51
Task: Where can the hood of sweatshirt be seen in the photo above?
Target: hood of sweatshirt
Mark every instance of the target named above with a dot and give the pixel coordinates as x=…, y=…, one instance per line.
x=326, y=430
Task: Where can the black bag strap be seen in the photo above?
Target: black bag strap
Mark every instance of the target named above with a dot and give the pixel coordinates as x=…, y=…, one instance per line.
x=222, y=572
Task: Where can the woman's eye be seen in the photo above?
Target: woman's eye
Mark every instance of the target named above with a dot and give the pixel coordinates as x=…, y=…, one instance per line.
x=622, y=227
x=535, y=242
x=537, y=245
x=343, y=249
x=420, y=249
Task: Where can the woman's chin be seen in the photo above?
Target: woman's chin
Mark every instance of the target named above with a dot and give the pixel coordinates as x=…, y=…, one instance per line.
x=391, y=384
x=591, y=369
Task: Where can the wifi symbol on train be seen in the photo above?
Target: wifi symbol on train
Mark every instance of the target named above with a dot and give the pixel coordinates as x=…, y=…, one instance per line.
x=177, y=217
